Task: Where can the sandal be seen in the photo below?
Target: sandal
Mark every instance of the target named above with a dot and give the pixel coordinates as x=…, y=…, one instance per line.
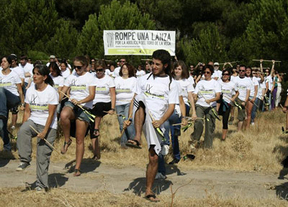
x=64, y=149
x=151, y=198
x=134, y=143
x=96, y=133
x=77, y=172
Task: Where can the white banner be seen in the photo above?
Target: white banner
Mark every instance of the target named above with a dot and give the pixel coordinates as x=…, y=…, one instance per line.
x=138, y=42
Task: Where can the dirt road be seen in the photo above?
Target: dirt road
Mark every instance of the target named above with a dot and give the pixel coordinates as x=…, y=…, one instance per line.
x=98, y=176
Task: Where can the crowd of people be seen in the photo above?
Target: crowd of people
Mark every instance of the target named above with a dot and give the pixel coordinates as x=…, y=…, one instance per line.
x=161, y=99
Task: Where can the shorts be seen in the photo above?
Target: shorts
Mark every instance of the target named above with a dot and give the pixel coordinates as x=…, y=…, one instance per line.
x=79, y=113
x=99, y=108
x=241, y=112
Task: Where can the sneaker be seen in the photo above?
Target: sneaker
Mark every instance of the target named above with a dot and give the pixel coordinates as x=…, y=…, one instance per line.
x=165, y=149
x=160, y=176
x=39, y=189
x=252, y=123
x=23, y=166
x=12, y=127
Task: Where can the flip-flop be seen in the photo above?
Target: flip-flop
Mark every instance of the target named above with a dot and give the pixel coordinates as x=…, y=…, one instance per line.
x=152, y=198
x=77, y=173
x=137, y=145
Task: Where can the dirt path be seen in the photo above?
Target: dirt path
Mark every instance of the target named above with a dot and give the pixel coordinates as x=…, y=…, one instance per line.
x=98, y=176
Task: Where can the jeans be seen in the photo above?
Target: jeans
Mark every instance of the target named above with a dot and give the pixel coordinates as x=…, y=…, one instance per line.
x=7, y=101
x=129, y=133
x=161, y=161
x=254, y=109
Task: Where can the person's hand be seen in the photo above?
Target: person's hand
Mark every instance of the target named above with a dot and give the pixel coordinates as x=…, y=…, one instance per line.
x=208, y=101
x=273, y=61
x=184, y=121
x=111, y=112
x=243, y=103
x=261, y=60
x=75, y=102
x=156, y=123
x=126, y=123
x=22, y=107
x=194, y=116
x=41, y=135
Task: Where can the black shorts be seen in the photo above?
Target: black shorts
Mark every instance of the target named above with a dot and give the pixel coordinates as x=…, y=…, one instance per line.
x=14, y=110
x=99, y=108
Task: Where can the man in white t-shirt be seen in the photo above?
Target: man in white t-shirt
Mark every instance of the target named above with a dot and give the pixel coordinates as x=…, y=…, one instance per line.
x=217, y=73
x=27, y=67
x=154, y=101
x=52, y=58
x=117, y=70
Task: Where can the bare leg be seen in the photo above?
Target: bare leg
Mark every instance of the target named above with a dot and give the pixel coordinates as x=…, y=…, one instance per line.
x=286, y=120
x=14, y=119
x=81, y=127
x=249, y=107
x=138, y=123
x=240, y=124
x=66, y=116
x=95, y=142
x=151, y=171
x=224, y=134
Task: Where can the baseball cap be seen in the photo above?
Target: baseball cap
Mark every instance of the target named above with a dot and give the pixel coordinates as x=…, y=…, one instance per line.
x=52, y=56
x=216, y=63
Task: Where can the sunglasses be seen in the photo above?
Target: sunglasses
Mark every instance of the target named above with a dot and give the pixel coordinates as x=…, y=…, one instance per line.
x=207, y=72
x=226, y=74
x=242, y=70
x=78, y=67
x=99, y=70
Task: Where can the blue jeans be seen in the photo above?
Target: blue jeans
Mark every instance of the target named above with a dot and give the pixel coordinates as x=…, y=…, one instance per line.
x=254, y=109
x=161, y=160
x=7, y=101
x=129, y=133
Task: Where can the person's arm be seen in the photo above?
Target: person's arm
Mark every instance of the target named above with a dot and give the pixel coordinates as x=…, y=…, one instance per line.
x=27, y=113
x=246, y=98
x=112, y=92
x=64, y=91
x=168, y=113
x=20, y=91
x=130, y=113
x=255, y=93
x=192, y=104
x=235, y=96
x=261, y=66
x=216, y=98
x=272, y=69
x=51, y=111
x=183, y=111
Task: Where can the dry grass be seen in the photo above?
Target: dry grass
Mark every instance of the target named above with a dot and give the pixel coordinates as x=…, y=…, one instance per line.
x=259, y=149
x=58, y=197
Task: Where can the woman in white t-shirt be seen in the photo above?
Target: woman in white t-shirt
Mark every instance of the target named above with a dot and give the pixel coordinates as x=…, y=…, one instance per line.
x=65, y=71
x=125, y=85
x=81, y=85
x=11, y=95
x=207, y=92
x=181, y=76
x=40, y=115
x=229, y=93
x=103, y=103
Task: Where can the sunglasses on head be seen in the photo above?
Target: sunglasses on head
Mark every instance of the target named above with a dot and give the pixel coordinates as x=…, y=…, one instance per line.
x=78, y=67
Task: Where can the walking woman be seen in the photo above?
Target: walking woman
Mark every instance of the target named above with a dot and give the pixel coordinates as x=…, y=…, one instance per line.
x=125, y=85
x=229, y=94
x=82, y=92
x=39, y=120
x=181, y=75
x=103, y=103
x=11, y=95
x=207, y=92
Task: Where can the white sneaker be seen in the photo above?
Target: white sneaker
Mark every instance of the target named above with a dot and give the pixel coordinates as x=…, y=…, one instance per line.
x=165, y=149
x=252, y=124
x=12, y=127
x=160, y=176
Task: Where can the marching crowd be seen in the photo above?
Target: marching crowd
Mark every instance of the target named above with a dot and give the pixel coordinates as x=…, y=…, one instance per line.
x=161, y=99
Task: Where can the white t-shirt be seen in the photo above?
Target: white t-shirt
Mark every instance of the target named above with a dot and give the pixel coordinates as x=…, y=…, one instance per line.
x=19, y=71
x=255, y=82
x=79, y=87
x=124, y=90
x=233, y=78
x=58, y=81
x=186, y=86
x=65, y=73
x=217, y=74
x=28, y=68
x=207, y=90
x=38, y=102
x=116, y=72
x=109, y=73
x=157, y=94
x=262, y=86
x=228, y=89
x=269, y=79
x=140, y=73
x=9, y=82
x=103, y=86
x=244, y=85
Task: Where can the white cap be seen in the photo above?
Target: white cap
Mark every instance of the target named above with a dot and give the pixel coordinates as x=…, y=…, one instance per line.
x=52, y=56
x=216, y=63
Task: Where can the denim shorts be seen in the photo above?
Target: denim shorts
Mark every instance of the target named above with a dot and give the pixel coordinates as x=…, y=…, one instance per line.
x=79, y=113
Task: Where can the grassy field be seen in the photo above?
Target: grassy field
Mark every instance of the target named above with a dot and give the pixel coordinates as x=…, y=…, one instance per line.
x=261, y=149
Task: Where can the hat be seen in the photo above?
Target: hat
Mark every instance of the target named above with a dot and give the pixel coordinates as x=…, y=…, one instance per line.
x=52, y=56
x=216, y=63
